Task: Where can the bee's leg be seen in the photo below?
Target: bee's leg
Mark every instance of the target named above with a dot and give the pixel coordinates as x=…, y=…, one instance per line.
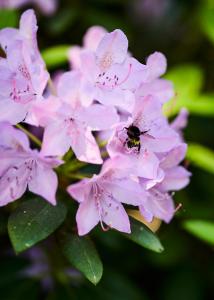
x=144, y=132
x=138, y=147
x=126, y=142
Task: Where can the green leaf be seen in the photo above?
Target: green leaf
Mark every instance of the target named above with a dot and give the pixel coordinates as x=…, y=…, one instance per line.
x=143, y=236
x=82, y=254
x=203, y=230
x=8, y=18
x=202, y=105
x=201, y=156
x=206, y=18
x=33, y=221
x=187, y=80
x=56, y=56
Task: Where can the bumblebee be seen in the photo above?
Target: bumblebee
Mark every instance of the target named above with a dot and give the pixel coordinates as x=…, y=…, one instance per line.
x=133, y=139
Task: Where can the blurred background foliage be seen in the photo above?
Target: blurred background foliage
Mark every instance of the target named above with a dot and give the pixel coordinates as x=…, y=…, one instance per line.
x=184, y=32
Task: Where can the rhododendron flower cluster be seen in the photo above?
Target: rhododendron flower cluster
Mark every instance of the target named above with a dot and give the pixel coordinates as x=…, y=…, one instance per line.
x=107, y=110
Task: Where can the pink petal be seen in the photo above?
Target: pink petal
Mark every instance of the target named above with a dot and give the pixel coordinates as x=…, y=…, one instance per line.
x=133, y=73
x=66, y=81
x=7, y=36
x=114, y=215
x=99, y=117
x=84, y=144
x=126, y=190
x=56, y=140
x=12, y=112
x=156, y=64
x=44, y=111
x=148, y=184
x=180, y=122
x=174, y=157
x=44, y=183
x=118, y=98
x=160, y=88
x=87, y=216
x=93, y=37
x=112, y=49
x=88, y=67
x=12, y=137
x=74, y=57
x=79, y=190
x=163, y=139
x=175, y=179
x=158, y=205
x=13, y=183
x=28, y=24
x=148, y=111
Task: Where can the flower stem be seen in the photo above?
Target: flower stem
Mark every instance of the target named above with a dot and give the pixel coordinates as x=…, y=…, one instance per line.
x=30, y=135
x=78, y=176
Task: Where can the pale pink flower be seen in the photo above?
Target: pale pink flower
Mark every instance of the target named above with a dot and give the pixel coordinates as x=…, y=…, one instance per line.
x=100, y=198
x=71, y=124
x=23, y=77
x=21, y=167
x=110, y=74
x=159, y=201
x=152, y=135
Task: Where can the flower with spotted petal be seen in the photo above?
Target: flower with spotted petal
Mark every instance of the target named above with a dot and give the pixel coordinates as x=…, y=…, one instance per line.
x=23, y=77
x=21, y=167
x=101, y=196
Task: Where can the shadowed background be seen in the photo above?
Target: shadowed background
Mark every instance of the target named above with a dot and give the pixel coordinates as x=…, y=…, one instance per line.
x=184, y=32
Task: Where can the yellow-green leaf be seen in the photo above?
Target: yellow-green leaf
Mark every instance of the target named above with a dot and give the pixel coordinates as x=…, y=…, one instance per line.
x=202, y=229
x=201, y=156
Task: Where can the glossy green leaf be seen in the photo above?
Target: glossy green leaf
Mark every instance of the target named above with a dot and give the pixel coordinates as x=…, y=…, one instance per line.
x=33, y=221
x=201, y=156
x=202, y=229
x=82, y=254
x=56, y=56
x=143, y=236
x=8, y=18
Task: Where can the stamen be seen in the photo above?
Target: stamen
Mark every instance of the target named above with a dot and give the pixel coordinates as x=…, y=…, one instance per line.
x=178, y=207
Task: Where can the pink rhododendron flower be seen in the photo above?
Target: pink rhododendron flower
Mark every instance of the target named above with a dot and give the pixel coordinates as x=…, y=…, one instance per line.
x=71, y=124
x=107, y=93
x=100, y=198
x=21, y=167
x=22, y=72
x=146, y=133
x=109, y=73
x=159, y=201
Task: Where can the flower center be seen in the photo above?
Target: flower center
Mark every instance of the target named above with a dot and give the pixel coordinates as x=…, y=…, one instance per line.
x=110, y=81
